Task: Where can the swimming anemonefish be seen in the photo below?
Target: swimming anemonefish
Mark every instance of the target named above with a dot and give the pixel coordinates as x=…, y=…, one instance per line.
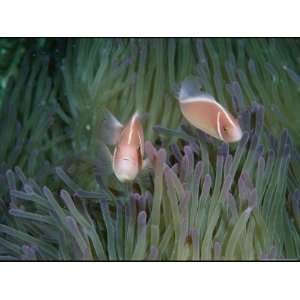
x=206, y=114
x=127, y=159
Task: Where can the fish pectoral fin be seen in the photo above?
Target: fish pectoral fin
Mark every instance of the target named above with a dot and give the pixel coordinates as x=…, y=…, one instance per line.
x=103, y=163
x=110, y=128
x=144, y=178
x=145, y=167
x=146, y=164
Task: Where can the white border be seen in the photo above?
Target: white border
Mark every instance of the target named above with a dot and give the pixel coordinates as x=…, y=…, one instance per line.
x=149, y=18
x=265, y=280
x=149, y=280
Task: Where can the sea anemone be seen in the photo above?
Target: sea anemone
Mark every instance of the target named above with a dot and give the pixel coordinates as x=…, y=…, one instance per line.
x=199, y=199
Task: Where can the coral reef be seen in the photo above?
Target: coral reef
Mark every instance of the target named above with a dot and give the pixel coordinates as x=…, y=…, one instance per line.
x=200, y=199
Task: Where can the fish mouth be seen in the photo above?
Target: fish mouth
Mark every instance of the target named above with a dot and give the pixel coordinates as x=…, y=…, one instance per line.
x=125, y=178
x=238, y=133
x=125, y=169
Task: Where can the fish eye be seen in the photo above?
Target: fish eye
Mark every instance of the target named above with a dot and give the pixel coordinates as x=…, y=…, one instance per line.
x=225, y=129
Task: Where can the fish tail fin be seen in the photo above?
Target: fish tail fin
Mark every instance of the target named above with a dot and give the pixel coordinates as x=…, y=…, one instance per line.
x=190, y=87
x=110, y=128
x=142, y=116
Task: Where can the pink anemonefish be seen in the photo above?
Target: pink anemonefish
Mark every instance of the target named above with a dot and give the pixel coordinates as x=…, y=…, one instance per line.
x=206, y=114
x=127, y=159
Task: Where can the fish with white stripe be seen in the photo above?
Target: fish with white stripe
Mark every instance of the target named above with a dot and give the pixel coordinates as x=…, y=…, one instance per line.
x=127, y=159
x=206, y=114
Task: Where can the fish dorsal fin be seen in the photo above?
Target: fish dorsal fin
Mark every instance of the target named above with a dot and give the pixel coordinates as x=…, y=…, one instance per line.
x=110, y=128
x=202, y=97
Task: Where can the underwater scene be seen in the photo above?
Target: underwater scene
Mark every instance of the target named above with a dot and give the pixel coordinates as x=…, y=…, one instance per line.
x=149, y=149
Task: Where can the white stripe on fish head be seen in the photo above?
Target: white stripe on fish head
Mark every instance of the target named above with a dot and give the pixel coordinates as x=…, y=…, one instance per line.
x=219, y=126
